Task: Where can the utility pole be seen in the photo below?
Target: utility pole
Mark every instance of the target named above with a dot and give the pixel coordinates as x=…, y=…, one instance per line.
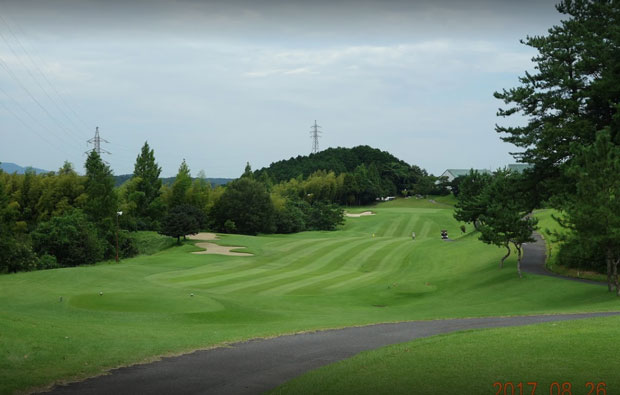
x=314, y=135
x=96, y=142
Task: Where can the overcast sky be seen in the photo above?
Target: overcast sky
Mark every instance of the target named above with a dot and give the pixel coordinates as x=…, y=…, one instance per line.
x=223, y=83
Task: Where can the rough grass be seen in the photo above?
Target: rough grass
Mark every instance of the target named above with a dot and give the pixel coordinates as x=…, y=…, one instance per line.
x=470, y=362
x=297, y=282
x=149, y=243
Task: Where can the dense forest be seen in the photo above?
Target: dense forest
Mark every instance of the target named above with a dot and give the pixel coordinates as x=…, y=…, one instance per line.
x=61, y=218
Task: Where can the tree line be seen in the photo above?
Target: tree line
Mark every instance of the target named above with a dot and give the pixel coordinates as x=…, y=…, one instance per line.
x=63, y=219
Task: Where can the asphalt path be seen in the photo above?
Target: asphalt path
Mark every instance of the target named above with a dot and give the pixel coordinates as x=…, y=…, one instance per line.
x=534, y=258
x=259, y=365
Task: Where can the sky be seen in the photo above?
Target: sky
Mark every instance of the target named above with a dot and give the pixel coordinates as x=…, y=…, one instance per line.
x=224, y=83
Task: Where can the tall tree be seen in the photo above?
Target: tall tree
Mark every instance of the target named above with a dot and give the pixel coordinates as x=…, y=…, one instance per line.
x=102, y=201
x=181, y=185
x=573, y=94
x=471, y=204
x=149, y=171
x=506, y=218
x=247, y=172
x=145, y=191
x=593, y=212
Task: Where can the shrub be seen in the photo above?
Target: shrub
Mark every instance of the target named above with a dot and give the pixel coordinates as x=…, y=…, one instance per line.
x=71, y=238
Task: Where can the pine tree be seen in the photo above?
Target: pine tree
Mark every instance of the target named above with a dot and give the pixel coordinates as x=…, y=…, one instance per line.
x=593, y=212
x=505, y=219
x=102, y=201
x=181, y=185
x=573, y=94
x=470, y=205
x=146, y=188
x=147, y=169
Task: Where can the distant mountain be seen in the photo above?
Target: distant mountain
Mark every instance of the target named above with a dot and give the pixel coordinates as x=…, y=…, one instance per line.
x=121, y=179
x=11, y=168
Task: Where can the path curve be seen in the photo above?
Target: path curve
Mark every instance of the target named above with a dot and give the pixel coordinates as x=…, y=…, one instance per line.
x=535, y=256
x=257, y=366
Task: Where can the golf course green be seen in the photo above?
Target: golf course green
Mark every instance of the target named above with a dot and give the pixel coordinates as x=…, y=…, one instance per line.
x=71, y=323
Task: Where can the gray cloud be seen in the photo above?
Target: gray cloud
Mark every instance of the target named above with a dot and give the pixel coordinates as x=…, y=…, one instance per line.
x=225, y=83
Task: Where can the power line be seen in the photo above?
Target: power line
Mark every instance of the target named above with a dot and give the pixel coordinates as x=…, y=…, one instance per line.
x=52, y=143
x=35, y=119
x=314, y=135
x=16, y=79
x=49, y=83
x=18, y=57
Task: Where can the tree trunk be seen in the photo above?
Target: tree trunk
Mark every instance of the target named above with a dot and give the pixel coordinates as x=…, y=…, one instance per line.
x=518, y=247
x=501, y=263
x=615, y=263
x=608, y=259
x=179, y=240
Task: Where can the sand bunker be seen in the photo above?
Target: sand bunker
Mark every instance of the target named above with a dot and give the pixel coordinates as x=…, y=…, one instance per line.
x=365, y=213
x=211, y=248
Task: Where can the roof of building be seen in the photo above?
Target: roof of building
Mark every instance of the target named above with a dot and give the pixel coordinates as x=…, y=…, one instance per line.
x=519, y=167
x=464, y=172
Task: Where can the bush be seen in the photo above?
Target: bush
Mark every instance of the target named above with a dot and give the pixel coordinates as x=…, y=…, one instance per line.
x=126, y=245
x=47, y=262
x=181, y=221
x=71, y=238
x=247, y=203
x=16, y=256
x=147, y=242
x=577, y=254
x=324, y=216
x=290, y=219
x=229, y=226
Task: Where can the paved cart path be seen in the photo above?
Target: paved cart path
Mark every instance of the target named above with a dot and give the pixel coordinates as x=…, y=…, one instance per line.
x=534, y=261
x=259, y=365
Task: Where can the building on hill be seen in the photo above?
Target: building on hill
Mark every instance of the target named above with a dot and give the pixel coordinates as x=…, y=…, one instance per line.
x=451, y=174
x=519, y=167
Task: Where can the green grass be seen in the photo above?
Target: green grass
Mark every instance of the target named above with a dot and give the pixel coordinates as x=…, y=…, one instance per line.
x=149, y=243
x=299, y=282
x=470, y=362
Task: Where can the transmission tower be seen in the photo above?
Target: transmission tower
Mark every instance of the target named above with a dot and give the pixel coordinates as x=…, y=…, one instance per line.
x=314, y=135
x=96, y=142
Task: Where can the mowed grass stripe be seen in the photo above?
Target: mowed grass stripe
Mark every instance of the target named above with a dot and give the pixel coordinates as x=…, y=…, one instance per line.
x=269, y=268
x=398, y=226
x=387, y=267
x=410, y=227
x=340, y=267
x=302, y=266
x=385, y=224
x=212, y=272
x=426, y=228
x=369, y=264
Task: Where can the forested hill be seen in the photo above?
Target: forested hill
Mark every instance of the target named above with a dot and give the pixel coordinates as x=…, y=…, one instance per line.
x=339, y=160
x=365, y=173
